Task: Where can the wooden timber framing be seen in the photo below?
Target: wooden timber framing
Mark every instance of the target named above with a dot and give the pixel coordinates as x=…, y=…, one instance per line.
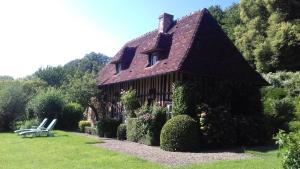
x=156, y=88
x=161, y=84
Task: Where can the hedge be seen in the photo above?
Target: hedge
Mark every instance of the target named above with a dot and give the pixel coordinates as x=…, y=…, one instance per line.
x=131, y=129
x=82, y=124
x=107, y=127
x=90, y=130
x=121, y=132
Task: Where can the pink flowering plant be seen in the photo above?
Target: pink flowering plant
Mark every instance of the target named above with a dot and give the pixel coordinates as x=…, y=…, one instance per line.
x=146, y=118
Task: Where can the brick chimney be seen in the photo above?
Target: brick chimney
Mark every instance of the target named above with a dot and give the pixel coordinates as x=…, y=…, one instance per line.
x=165, y=22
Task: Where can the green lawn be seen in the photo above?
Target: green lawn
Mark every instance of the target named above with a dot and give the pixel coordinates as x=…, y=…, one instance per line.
x=71, y=151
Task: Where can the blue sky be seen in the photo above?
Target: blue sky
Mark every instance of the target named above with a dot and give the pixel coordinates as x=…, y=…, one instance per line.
x=37, y=33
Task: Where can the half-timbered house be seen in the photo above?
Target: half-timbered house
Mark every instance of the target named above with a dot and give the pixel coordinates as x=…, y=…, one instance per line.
x=193, y=48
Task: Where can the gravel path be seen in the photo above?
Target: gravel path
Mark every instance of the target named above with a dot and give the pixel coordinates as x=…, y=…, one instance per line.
x=155, y=154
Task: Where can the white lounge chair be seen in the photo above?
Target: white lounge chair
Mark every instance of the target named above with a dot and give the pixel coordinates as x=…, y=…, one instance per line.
x=40, y=132
x=41, y=126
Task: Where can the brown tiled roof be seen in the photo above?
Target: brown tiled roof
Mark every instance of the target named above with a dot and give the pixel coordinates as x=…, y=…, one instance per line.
x=179, y=41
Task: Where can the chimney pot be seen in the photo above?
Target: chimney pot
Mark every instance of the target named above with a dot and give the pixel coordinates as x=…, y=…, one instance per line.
x=165, y=22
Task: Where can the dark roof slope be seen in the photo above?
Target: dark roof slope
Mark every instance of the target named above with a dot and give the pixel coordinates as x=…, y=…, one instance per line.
x=182, y=51
x=213, y=54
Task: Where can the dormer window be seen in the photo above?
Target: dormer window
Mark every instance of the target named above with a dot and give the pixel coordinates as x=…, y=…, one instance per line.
x=118, y=68
x=152, y=59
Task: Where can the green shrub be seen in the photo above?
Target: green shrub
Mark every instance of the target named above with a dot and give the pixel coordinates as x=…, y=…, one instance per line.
x=294, y=126
x=252, y=130
x=101, y=127
x=82, y=124
x=153, y=134
x=107, y=127
x=130, y=102
x=273, y=93
x=279, y=112
x=72, y=113
x=216, y=126
x=111, y=127
x=146, y=128
x=180, y=133
x=131, y=129
x=12, y=104
x=26, y=124
x=283, y=112
x=179, y=100
x=297, y=108
x=289, y=145
x=47, y=104
x=90, y=130
x=121, y=132
x=183, y=99
x=144, y=109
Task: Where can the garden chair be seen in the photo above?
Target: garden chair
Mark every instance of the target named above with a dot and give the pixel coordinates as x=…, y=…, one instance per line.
x=40, y=132
x=41, y=126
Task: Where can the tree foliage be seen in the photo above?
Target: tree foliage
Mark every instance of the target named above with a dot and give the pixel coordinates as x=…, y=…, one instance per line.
x=228, y=19
x=47, y=103
x=54, y=76
x=269, y=35
x=52, y=92
x=267, y=32
x=12, y=104
x=90, y=63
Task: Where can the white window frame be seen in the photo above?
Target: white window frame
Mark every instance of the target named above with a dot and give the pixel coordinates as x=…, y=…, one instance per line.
x=153, y=57
x=118, y=68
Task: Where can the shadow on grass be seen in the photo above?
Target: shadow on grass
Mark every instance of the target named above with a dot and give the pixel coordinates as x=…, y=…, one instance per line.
x=93, y=142
x=263, y=149
x=61, y=135
x=39, y=137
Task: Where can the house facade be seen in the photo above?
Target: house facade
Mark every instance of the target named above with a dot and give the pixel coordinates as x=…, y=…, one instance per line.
x=191, y=49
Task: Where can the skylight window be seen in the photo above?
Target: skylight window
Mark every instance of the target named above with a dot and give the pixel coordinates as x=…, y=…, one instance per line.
x=152, y=59
x=118, y=68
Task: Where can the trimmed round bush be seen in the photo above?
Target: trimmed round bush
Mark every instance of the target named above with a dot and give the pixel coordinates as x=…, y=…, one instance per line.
x=180, y=134
x=121, y=132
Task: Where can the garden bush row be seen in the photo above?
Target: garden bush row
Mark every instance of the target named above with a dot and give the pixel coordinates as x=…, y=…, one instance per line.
x=51, y=104
x=146, y=127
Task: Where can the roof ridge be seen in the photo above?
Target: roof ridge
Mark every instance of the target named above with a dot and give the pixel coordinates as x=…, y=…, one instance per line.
x=141, y=36
x=177, y=20
x=190, y=14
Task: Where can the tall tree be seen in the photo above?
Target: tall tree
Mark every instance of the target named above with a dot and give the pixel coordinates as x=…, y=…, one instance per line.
x=217, y=12
x=54, y=76
x=91, y=62
x=83, y=90
x=269, y=36
x=231, y=19
x=228, y=19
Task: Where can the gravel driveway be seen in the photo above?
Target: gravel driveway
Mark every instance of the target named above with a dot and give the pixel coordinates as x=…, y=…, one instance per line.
x=155, y=154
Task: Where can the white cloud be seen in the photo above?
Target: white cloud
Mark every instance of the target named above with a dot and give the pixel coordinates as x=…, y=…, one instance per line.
x=35, y=33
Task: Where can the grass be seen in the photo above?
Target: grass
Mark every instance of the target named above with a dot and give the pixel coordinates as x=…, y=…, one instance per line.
x=71, y=151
